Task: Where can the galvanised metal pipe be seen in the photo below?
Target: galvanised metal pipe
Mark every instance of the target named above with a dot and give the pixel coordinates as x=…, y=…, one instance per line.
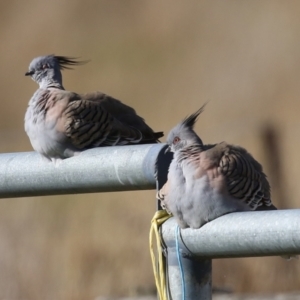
x=197, y=275
x=104, y=169
x=242, y=234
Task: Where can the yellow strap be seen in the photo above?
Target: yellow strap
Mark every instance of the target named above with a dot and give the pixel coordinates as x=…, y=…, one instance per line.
x=158, y=268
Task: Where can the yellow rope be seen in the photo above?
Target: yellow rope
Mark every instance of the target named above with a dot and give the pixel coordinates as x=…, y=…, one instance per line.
x=158, y=268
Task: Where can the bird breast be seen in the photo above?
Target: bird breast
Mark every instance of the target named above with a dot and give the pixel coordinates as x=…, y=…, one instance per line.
x=195, y=197
x=41, y=126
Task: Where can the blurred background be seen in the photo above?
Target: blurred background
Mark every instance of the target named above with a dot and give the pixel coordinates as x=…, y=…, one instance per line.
x=164, y=58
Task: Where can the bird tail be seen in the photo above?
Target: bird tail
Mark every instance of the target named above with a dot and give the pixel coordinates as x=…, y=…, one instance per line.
x=158, y=135
x=266, y=207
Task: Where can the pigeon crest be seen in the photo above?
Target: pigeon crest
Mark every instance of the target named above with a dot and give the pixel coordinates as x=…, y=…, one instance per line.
x=46, y=70
x=183, y=134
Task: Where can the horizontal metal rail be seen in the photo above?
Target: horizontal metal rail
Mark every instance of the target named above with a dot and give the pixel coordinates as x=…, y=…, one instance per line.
x=103, y=169
x=242, y=234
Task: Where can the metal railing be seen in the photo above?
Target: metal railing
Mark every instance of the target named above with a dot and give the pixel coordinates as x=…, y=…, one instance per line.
x=107, y=169
x=141, y=167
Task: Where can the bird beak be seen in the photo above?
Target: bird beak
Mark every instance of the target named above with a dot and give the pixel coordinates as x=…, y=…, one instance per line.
x=29, y=73
x=168, y=149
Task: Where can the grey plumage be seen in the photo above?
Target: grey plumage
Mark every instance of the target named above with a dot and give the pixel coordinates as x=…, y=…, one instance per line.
x=61, y=124
x=208, y=181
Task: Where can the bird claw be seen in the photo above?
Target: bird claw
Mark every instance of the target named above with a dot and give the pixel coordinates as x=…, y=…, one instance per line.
x=56, y=161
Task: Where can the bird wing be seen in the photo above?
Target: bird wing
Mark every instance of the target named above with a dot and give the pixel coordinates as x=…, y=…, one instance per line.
x=244, y=176
x=95, y=119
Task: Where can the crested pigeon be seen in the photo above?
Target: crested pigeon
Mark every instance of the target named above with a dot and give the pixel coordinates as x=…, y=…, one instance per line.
x=208, y=181
x=61, y=124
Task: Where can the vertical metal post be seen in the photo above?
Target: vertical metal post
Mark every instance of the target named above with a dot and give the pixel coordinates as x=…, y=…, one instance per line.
x=196, y=271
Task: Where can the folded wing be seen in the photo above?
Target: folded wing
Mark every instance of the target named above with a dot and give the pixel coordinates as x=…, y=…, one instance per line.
x=95, y=119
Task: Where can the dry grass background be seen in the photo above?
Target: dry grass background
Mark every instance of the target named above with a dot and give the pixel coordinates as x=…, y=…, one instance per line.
x=165, y=58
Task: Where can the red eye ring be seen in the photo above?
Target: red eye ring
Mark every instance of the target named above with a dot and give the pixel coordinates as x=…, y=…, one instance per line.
x=176, y=140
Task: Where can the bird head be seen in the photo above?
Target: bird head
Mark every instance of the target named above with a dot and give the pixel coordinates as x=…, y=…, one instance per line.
x=46, y=70
x=183, y=134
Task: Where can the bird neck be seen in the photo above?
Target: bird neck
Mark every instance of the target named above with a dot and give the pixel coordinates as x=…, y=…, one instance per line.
x=188, y=151
x=51, y=83
x=53, y=79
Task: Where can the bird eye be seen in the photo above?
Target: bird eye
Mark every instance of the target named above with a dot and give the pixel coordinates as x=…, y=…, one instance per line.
x=176, y=140
x=45, y=66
